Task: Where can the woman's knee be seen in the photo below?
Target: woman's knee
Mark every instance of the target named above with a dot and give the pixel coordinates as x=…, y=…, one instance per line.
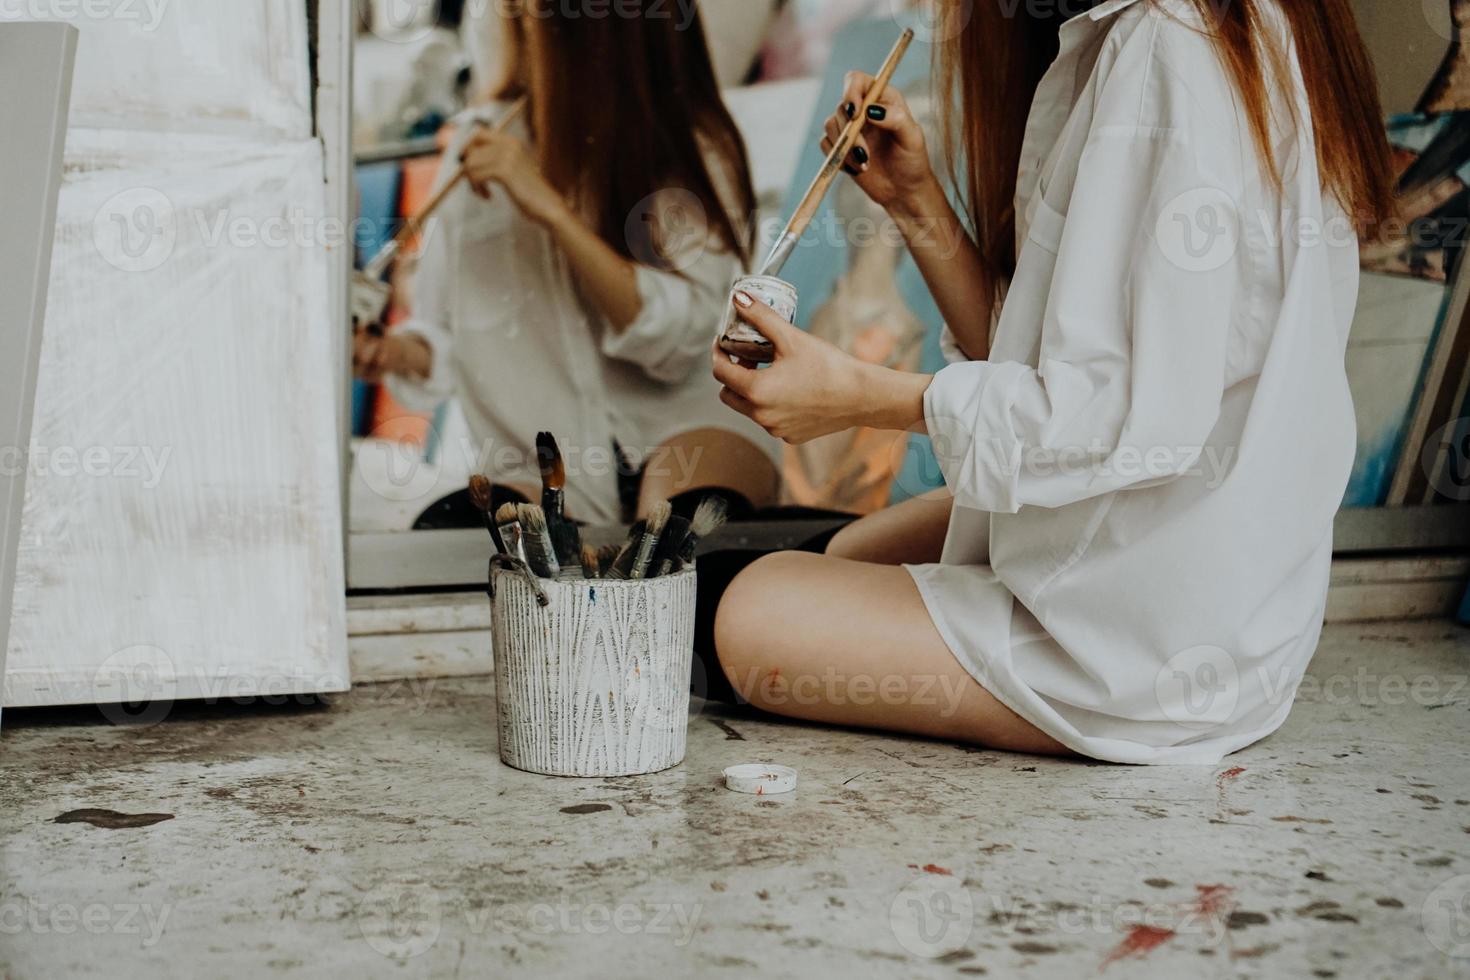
x=848, y=543
x=747, y=622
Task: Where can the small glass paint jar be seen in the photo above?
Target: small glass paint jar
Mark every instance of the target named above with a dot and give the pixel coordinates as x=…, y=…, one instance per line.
x=738, y=338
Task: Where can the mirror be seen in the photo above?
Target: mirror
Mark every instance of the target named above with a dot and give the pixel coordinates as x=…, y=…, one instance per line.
x=501, y=322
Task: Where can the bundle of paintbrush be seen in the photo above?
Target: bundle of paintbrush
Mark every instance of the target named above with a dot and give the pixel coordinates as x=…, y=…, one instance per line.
x=545, y=541
x=664, y=543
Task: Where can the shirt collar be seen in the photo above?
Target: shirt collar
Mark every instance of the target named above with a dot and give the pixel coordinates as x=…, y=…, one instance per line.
x=1107, y=9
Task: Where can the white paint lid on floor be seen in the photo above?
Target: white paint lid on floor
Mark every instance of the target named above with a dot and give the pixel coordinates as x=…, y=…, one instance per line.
x=760, y=779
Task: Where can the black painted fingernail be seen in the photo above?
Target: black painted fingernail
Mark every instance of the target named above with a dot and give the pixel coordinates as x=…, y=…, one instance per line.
x=860, y=155
x=851, y=109
x=849, y=169
x=877, y=113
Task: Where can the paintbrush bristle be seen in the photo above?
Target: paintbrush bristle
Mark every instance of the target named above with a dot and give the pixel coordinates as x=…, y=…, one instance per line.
x=507, y=514
x=709, y=516
x=606, y=555
x=537, y=541
x=566, y=541
x=622, y=566
x=481, y=493
x=658, y=518
x=532, y=518
x=549, y=458
x=665, y=556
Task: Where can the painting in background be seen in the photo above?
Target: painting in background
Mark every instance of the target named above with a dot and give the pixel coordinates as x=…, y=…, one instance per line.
x=1407, y=359
x=1404, y=295
x=1450, y=88
x=1432, y=157
x=861, y=290
x=803, y=38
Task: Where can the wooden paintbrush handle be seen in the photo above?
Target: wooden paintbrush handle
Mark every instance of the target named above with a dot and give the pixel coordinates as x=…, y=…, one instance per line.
x=412, y=226
x=832, y=166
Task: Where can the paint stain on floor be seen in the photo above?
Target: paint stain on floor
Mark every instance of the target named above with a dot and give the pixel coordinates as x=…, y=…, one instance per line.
x=582, y=808
x=112, y=819
x=1140, y=941
x=732, y=734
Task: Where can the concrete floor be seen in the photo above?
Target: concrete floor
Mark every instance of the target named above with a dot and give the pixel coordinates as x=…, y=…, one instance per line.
x=381, y=836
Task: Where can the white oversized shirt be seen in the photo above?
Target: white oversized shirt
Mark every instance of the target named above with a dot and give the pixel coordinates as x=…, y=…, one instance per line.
x=1152, y=457
x=524, y=352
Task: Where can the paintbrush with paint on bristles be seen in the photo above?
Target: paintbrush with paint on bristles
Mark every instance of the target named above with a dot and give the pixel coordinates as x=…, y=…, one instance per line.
x=508, y=521
x=553, y=475
x=536, y=540
x=658, y=520
x=590, y=569
x=606, y=555
x=482, y=496
x=622, y=566
x=666, y=555
x=566, y=539
x=709, y=517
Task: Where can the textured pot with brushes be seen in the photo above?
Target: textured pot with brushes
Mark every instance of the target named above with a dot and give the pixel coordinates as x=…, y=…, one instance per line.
x=593, y=647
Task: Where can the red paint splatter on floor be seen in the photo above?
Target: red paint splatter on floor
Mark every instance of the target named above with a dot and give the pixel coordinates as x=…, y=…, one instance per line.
x=1229, y=775
x=1140, y=941
x=932, y=869
x=1214, y=900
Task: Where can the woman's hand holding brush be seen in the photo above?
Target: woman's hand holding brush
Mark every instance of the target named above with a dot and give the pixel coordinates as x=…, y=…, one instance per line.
x=503, y=160
x=891, y=159
x=890, y=162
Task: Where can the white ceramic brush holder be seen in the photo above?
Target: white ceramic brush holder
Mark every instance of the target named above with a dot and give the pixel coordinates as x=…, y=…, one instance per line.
x=596, y=682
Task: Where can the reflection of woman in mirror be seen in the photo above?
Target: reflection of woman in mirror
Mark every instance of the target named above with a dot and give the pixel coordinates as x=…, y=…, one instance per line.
x=1145, y=428
x=575, y=284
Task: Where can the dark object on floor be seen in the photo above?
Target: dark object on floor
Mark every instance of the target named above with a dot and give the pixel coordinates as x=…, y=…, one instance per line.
x=113, y=820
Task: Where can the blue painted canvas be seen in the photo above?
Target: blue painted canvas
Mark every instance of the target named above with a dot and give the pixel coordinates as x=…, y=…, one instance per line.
x=859, y=288
x=379, y=187
x=1404, y=298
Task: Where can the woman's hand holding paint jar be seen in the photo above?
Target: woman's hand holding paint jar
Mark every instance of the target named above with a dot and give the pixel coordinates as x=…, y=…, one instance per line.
x=814, y=389
x=497, y=158
x=891, y=159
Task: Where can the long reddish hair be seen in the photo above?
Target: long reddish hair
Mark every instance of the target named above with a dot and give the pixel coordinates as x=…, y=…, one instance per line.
x=995, y=59
x=623, y=107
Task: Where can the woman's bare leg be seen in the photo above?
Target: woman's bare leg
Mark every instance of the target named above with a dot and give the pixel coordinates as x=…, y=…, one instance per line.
x=709, y=459
x=910, y=533
x=849, y=643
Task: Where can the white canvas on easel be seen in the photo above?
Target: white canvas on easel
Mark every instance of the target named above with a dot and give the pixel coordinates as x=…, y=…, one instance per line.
x=36, y=59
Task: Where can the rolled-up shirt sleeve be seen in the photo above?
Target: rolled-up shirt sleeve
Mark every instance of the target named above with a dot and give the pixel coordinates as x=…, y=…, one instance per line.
x=1131, y=367
x=682, y=310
